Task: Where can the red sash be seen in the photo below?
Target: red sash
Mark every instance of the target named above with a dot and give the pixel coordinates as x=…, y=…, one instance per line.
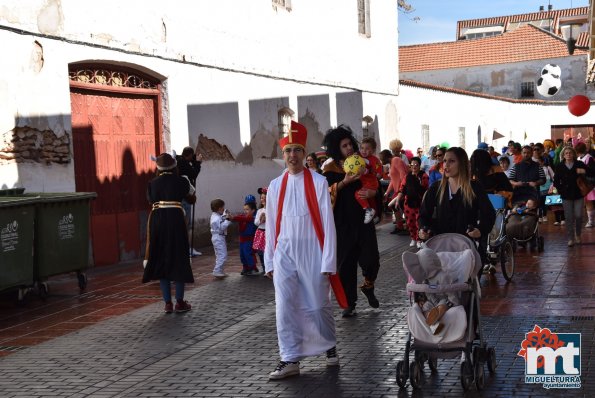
x=312, y=202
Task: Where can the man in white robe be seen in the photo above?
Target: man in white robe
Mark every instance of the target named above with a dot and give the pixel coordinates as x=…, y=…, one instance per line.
x=300, y=254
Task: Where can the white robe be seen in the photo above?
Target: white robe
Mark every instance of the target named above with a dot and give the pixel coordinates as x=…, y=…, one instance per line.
x=305, y=323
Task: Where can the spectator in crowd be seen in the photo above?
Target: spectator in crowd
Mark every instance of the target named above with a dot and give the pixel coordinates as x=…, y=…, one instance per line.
x=526, y=177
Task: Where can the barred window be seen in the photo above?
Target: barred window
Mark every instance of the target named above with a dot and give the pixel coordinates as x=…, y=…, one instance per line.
x=363, y=17
x=425, y=136
x=527, y=89
x=286, y=4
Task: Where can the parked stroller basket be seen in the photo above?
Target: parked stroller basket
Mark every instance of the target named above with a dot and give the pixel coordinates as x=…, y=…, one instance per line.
x=520, y=235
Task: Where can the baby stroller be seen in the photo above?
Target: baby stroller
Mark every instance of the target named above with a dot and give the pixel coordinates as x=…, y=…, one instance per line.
x=522, y=228
x=500, y=248
x=461, y=331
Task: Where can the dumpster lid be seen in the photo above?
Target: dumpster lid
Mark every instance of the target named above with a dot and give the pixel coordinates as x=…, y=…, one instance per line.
x=50, y=197
x=12, y=201
x=11, y=191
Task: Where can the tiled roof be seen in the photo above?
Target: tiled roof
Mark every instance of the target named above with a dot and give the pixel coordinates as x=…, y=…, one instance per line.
x=583, y=40
x=523, y=44
x=427, y=86
x=555, y=15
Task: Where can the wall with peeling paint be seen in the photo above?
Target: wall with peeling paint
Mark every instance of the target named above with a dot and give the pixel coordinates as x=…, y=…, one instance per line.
x=226, y=83
x=505, y=80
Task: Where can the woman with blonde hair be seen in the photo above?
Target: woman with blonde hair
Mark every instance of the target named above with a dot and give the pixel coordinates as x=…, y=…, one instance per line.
x=566, y=175
x=456, y=204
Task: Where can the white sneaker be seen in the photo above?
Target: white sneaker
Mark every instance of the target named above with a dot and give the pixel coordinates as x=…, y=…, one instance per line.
x=194, y=252
x=412, y=243
x=285, y=369
x=369, y=215
x=589, y=224
x=562, y=222
x=332, y=359
x=418, y=244
x=556, y=223
x=540, y=220
x=544, y=219
x=219, y=275
x=570, y=243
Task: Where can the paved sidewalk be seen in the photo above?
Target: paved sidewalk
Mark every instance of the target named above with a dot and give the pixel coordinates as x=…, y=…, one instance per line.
x=226, y=346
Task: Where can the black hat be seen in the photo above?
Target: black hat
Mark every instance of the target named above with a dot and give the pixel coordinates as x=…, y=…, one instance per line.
x=165, y=162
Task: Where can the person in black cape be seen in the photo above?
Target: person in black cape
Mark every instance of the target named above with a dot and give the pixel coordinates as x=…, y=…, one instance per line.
x=166, y=257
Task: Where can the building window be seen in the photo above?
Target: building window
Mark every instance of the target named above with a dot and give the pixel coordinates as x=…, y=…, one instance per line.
x=285, y=4
x=462, y=137
x=363, y=17
x=425, y=137
x=527, y=89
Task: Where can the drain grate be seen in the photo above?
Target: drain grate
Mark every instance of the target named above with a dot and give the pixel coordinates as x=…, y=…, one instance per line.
x=581, y=318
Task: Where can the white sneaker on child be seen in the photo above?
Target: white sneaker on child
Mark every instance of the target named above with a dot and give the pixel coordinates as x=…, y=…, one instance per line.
x=589, y=224
x=369, y=215
x=412, y=243
x=562, y=222
x=219, y=275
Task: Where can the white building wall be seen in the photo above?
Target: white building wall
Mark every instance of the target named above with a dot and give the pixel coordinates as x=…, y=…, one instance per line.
x=445, y=112
x=213, y=56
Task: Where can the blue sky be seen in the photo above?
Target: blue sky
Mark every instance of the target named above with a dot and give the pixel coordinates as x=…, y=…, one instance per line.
x=438, y=18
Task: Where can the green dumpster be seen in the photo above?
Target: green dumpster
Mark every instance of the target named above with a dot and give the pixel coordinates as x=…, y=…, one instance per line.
x=17, y=218
x=62, y=235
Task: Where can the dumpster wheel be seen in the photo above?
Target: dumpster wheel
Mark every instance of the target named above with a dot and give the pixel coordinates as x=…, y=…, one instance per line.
x=22, y=293
x=43, y=290
x=82, y=278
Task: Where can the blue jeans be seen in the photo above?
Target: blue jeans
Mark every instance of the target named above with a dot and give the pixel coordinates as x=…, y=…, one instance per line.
x=166, y=290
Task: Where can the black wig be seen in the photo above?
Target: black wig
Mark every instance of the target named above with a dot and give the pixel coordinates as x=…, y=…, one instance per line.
x=332, y=141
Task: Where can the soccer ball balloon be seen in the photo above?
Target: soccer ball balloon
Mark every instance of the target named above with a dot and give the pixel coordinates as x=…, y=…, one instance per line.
x=552, y=69
x=353, y=164
x=548, y=85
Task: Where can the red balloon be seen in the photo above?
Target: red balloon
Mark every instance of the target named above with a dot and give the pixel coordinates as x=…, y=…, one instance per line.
x=579, y=105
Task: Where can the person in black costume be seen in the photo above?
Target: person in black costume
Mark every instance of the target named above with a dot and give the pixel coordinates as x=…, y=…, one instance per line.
x=166, y=256
x=356, y=241
x=455, y=203
x=189, y=164
x=493, y=180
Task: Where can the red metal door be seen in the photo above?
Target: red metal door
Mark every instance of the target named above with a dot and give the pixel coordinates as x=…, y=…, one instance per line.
x=114, y=135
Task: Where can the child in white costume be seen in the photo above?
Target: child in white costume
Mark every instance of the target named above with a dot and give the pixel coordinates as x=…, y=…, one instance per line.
x=219, y=223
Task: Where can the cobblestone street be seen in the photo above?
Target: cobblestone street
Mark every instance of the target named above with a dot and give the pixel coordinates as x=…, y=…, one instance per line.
x=226, y=346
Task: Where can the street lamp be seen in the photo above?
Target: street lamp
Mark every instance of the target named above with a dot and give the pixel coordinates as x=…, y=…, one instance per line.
x=284, y=116
x=366, y=121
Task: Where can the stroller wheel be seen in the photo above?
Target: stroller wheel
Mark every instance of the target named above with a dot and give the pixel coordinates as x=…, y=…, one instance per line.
x=466, y=375
x=415, y=374
x=479, y=375
x=492, y=360
x=507, y=260
x=540, y=244
x=401, y=374
x=433, y=364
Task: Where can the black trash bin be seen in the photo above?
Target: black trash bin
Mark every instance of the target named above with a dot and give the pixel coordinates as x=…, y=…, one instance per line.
x=62, y=236
x=17, y=221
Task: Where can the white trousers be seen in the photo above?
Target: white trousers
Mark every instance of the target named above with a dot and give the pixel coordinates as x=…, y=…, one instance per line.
x=220, y=246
